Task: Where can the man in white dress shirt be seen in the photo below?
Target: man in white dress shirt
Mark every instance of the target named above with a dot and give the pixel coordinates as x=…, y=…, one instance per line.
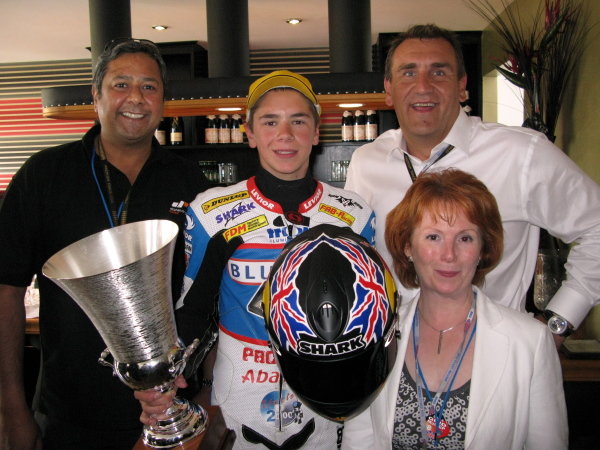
x=535, y=183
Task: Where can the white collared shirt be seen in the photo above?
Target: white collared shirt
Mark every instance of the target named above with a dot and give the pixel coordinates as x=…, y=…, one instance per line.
x=535, y=184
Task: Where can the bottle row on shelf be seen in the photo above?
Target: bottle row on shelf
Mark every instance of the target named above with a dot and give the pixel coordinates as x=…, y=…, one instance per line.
x=359, y=126
x=223, y=129
x=170, y=131
x=226, y=129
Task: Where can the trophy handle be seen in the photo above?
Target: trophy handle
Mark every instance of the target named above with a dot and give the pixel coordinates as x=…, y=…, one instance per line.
x=106, y=359
x=177, y=366
x=191, y=349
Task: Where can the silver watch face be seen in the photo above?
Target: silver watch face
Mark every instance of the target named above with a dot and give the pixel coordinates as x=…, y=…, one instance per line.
x=557, y=324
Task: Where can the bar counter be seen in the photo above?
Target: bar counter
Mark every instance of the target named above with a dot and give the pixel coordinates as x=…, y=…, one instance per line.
x=573, y=369
x=32, y=326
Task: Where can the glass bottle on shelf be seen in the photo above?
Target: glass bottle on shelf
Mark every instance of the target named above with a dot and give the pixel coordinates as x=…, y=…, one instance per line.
x=211, y=132
x=237, y=137
x=347, y=126
x=371, y=125
x=224, y=129
x=162, y=132
x=210, y=170
x=359, y=125
x=176, y=136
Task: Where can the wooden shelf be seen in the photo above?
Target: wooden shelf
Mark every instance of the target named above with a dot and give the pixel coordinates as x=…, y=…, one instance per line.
x=203, y=107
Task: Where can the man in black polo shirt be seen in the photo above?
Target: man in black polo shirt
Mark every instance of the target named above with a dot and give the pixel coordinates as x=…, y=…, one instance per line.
x=116, y=174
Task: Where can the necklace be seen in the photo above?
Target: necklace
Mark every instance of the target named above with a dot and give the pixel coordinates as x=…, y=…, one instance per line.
x=441, y=332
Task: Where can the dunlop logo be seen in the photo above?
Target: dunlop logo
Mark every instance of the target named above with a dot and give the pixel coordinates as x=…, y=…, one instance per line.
x=216, y=202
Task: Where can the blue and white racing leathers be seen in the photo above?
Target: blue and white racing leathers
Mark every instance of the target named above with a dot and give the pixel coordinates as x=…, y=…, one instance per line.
x=233, y=235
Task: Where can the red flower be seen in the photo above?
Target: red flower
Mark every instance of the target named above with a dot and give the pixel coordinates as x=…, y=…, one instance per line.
x=552, y=12
x=513, y=64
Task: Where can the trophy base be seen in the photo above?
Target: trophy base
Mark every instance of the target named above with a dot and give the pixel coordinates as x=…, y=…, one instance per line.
x=186, y=420
x=216, y=436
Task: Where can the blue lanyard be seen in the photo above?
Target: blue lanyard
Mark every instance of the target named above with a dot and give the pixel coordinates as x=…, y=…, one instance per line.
x=113, y=216
x=437, y=409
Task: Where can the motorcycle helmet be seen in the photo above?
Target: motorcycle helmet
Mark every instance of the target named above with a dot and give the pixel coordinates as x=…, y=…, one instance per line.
x=330, y=309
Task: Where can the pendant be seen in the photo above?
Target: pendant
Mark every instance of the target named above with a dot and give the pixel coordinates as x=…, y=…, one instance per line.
x=432, y=431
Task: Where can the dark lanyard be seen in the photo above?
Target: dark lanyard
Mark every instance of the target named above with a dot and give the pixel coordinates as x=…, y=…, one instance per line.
x=411, y=170
x=115, y=215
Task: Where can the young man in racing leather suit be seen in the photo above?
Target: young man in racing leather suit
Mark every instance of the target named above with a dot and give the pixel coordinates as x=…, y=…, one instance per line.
x=233, y=234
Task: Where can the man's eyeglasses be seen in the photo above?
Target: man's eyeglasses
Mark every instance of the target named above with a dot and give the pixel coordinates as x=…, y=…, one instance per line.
x=110, y=45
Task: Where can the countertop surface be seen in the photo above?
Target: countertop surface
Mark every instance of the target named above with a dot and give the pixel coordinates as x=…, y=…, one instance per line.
x=573, y=369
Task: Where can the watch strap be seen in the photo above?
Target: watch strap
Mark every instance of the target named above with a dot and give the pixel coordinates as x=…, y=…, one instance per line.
x=548, y=314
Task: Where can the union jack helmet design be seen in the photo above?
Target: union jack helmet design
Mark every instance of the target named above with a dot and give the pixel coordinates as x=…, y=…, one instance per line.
x=330, y=310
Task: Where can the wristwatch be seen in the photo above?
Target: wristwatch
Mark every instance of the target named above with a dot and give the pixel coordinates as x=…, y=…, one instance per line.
x=558, y=324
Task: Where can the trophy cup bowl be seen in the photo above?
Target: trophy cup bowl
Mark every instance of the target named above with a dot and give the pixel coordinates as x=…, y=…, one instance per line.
x=121, y=278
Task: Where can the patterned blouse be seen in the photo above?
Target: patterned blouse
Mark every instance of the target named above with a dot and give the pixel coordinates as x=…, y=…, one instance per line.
x=407, y=422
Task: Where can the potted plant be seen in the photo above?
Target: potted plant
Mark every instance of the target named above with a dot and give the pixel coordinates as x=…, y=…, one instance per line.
x=541, y=53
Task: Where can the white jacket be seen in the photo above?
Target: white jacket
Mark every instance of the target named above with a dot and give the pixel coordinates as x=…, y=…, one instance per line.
x=516, y=398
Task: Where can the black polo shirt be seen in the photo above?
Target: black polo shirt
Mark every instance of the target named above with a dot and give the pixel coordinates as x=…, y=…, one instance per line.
x=53, y=201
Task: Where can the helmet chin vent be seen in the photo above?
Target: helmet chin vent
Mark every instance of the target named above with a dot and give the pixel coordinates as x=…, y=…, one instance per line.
x=328, y=322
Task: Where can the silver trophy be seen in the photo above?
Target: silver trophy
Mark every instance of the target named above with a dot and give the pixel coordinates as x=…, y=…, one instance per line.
x=121, y=278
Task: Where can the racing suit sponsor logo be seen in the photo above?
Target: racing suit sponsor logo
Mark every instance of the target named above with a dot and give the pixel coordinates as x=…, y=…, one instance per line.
x=284, y=234
x=313, y=200
x=337, y=348
x=263, y=201
x=255, y=304
x=346, y=201
x=246, y=227
x=178, y=207
x=261, y=376
x=281, y=409
x=295, y=217
x=189, y=224
x=235, y=211
x=258, y=356
x=245, y=271
x=216, y=202
x=372, y=225
x=337, y=213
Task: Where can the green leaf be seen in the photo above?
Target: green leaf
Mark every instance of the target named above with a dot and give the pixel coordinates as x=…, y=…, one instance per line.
x=516, y=79
x=551, y=33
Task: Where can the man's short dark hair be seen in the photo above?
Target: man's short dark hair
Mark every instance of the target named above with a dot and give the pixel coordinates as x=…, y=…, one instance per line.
x=118, y=47
x=428, y=31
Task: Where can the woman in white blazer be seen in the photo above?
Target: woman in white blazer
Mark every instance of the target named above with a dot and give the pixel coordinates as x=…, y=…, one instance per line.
x=496, y=370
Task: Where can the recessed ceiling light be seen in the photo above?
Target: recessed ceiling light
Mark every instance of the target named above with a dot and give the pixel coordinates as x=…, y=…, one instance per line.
x=294, y=21
x=350, y=105
x=231, y=108
x=160, y=27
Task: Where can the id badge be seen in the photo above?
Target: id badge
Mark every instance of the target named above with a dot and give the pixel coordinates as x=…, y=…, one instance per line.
x=433, y=432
